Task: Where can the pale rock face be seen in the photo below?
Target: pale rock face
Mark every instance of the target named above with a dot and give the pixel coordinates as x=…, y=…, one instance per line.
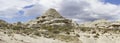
x=52, y=13
x=102, y=31
x=51, y=17
x=102, y=24
x=97, y=22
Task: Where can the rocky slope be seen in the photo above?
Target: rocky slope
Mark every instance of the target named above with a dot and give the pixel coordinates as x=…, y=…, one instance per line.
x=51, y=27
x=51, y=17
x=100, y=31
x=102, y=24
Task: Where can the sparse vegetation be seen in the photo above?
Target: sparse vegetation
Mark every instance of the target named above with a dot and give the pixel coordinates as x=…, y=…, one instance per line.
x=93, y=32
x=77, y=35
x=57, y=28
x=96, y=36
x=67, y=38
x=62, y=30
x=84, y=29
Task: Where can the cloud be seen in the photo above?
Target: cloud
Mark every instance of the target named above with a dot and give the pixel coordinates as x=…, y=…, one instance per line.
x=5, y=4
x=36, y=9
x=85, y=10
x=103, y=10
x=40, y=7
x=51, y=3
x=73, y=9
x=8, y=13
x=10, y=8
x=78, y=10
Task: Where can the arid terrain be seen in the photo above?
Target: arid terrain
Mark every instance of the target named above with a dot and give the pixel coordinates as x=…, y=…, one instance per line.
x=51, y=27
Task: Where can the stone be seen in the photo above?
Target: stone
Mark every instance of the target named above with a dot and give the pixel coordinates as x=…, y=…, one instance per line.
x=50, y=17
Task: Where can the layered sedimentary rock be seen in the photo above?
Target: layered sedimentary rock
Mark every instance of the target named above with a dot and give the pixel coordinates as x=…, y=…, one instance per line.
x=102, y=24
x=51, y=17
x=51, y=27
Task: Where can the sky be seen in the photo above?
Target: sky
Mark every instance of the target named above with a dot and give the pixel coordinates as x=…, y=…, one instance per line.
x=117, y=2
x=77, y=10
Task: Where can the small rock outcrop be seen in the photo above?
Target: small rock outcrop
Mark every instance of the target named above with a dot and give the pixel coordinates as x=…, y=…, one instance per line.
x=3, y=24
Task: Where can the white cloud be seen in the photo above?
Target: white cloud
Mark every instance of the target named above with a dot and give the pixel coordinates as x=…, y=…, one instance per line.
x=78, y=10
x=9, y=8
x=8, y=13
x=37, y=9
x=5, y=4
x=88, y=10
x=41, y=6
x=51, y=3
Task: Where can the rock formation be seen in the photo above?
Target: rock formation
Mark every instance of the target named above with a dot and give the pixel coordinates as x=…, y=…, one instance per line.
x=51, y=17
x=51, y=27
x=102, y=24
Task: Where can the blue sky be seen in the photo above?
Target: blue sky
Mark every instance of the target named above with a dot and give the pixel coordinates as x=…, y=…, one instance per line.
x=77, y=10
x=117, y=2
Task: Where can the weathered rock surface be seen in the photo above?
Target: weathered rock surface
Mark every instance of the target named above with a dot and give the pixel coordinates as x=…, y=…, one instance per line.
x=51, y=17
x=51, y=27
x=100, y=31
x=102, y=24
